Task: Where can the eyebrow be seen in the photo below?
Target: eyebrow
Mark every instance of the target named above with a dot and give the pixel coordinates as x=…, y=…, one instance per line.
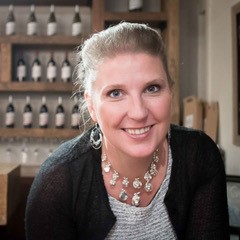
x=154, y=81
x=113, y=86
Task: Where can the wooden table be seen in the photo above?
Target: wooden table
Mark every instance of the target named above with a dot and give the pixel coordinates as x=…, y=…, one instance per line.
x=9, y=190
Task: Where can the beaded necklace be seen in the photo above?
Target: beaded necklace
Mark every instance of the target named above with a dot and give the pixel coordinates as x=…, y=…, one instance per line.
x=136, y=183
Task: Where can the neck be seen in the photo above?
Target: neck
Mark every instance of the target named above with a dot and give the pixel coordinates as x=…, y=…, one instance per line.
x=131, y=167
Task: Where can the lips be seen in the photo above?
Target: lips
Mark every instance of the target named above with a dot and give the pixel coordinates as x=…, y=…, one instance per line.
x=137, y=131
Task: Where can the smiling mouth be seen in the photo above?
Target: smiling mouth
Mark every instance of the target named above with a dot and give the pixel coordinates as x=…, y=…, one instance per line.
x=137, y=131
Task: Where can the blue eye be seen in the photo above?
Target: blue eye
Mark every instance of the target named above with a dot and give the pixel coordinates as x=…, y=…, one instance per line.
x=115, y=93
x=153, y=89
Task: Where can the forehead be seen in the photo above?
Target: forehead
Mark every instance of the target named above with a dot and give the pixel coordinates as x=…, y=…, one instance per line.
x=126, y=60
x=130, y=69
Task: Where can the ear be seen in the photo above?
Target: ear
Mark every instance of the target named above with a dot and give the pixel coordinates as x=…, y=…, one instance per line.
x=90, y=105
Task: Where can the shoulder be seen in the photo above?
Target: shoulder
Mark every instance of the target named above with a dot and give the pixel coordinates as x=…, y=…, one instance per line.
x=198, y=138
x=195, y=152
x=180, y=131
x=69, y=158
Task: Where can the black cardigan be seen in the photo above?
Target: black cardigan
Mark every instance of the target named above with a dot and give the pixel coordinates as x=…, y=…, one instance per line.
x=68, y=199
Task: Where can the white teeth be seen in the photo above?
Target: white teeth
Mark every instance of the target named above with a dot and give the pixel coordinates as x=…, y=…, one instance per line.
x=138, y=131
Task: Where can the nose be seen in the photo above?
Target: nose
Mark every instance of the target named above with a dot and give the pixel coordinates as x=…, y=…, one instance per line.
x=137, y=108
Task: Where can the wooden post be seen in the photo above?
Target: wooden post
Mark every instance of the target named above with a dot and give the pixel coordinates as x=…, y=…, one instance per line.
x=9, y=190
x=6, y=62
x=98, y=10
x=172, y=7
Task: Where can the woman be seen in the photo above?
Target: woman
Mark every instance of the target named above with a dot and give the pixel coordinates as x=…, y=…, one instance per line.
x=131, y=175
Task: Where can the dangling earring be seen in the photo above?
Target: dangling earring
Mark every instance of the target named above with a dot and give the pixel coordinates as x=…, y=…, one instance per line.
x=96, y=137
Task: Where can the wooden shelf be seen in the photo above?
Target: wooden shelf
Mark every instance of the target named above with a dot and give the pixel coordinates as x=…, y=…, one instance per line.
x=135, y=16
x=7, y=49
x=46, y=2
x=36, y=87
x=10, y=47
x=42, y=40
x=53, y=133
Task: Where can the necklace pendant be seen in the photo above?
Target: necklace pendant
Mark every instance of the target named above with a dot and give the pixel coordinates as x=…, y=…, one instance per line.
x=147, y=176
x=125, y=182
x=136, y=199
x=148, y=187
x=153, y=170
x=115, y=176
x=123, y=195
x=113, y=182
x=104, y=158
x=137, y=184
x=107, y=167
x=155, y=158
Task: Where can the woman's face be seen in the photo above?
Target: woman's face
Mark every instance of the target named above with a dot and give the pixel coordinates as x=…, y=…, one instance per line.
x=131, y=101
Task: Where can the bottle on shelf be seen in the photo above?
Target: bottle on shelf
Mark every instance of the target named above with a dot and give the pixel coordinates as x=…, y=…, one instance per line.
x=24, y=151
x=77, y=23
x=66, y=71
x=32, y=22
x=51, y=69
x=43, y=114
x=8, y=155
x=135, y=5
x=75, y=116
x=52, y=22
x=60, y=114
x=21, y=69
x=36, y=72
x=27, y=114
x=10, y=22
x=10, y=113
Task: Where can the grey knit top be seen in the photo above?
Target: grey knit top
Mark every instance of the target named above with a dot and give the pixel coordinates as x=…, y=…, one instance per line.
x=151, y=222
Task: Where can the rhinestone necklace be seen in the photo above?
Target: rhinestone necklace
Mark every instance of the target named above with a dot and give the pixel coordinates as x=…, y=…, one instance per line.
x=137, y=183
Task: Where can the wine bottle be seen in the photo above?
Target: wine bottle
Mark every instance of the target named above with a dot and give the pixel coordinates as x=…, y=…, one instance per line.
x=21, y=69
x=10, y=22
x=52, y=22
x=77, y=23
x=32, y=22
x=36, y=69
x=51, y=69
x=135, y=5
x=10, y=113
x=60, y=114
x=66, y=69
x=75, y=116
x=27, y=114
x=43, y=114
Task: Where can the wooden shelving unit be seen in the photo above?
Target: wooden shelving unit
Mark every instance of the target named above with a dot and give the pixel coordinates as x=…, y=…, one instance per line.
x=61, y=40
x=100, y=15
x=36, y=87
x=135, y=16
x=7, y=43
x=168, y=17
x=50, y=133
x=8, y=85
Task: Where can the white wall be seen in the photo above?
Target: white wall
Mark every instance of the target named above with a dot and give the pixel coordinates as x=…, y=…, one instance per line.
x=206, y=64
x=220, y=76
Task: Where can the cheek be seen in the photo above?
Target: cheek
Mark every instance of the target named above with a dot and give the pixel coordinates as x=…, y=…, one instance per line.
x=109, y=114
x=162, y=108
